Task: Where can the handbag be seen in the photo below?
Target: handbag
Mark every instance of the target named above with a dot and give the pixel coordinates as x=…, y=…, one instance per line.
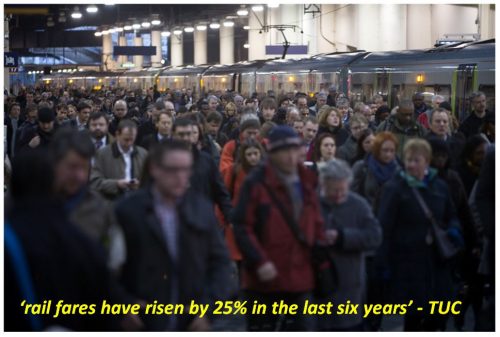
x=325, y=273
x=446, y=248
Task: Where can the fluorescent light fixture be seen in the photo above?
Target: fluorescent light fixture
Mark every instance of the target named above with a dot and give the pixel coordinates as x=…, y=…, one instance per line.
x=112, y=30
x=167, y=34
x=118, y=29
x=97, y=33
x=156, y=22
x=228, y=23
x=136, y=26
x=258, y=8
x=92, y=9
x=177, y=31
x=146, y=24
x=273, y=5
x=76, y=15
x=246, y=46
x=105, y=32
x=242, y=12
x=214, y=25
x=189, y=29
x=201, y=27
x=127, y=27
x=246, y=27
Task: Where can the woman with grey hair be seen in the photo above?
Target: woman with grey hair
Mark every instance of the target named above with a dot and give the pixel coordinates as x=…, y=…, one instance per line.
x=351, y=231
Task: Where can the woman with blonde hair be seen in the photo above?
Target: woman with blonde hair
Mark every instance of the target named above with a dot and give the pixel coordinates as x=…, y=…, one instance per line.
x=330, y=120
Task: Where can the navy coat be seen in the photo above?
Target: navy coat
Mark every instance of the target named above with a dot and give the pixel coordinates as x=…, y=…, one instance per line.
x=413, y=268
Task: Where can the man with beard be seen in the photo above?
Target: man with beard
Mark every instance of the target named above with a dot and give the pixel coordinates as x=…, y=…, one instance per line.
x=41, y=135
x=98, y=127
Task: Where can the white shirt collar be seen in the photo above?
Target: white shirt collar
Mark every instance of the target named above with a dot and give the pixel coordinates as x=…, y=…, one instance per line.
x=128, y=153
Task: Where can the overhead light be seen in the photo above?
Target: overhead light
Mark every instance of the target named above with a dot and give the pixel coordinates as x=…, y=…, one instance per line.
x=167, y=34
x=242, y=12
x=189, y=29
x=228, y=23
x=118, y=29
x=162, y=61
x=127, y=27
x=105, y=32
x=97, y=33
x=136, y=26
x=112, y=30
x=246, y=46
x=62, y=17
x=109, y=4
x=273, y=5
x=156, y=22
x=92, y=9
x=76, y=14
x=214, y=25
x=246, y=27
x=201, y=27
x=258, y=8
x=146, y=24
x=59, y=71
x=177, y=31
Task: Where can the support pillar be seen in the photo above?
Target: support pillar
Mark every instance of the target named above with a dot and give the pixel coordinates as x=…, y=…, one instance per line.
x=122, y=42
x=138, y=59
x=107, y=52
x=256, y=40
x=486, y=25
x=200, y=47
x=226, y=44
x=177, y=58
x=368, y=27
x=156, y=42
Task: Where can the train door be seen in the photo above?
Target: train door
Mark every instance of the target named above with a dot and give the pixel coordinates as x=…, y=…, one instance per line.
x=463, y=84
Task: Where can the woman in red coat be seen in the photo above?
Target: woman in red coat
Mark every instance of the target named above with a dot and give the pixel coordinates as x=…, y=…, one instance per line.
x=250, y=155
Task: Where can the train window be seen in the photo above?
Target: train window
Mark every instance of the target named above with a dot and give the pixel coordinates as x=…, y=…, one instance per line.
x=489, y=91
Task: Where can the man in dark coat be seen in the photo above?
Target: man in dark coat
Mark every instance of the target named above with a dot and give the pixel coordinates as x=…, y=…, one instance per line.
x=40, y=135
x=277, y=265
x=62, y=262
x=13, y=121
x=205, y=178
x=175, y=252
x=472, y=124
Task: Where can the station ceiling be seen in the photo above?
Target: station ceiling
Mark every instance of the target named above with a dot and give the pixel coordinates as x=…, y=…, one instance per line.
x=28, y=23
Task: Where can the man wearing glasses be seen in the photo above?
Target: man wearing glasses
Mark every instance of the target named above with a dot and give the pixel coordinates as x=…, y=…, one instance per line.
x=175, y=252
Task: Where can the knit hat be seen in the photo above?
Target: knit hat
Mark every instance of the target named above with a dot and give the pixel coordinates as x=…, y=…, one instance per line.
x=283, y=136
x=250, y=124
x=46, y=115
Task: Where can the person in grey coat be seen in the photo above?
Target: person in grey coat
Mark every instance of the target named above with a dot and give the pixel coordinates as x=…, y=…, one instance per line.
x=118, y=166
x=352, y=230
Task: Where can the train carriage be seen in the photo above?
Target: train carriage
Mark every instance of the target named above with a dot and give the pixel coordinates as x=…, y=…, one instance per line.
x=236, y=77
x=451, y=71
x=139, y=79
x=184, y=77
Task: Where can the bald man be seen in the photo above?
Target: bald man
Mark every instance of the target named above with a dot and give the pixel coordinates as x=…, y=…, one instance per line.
x=120, y=111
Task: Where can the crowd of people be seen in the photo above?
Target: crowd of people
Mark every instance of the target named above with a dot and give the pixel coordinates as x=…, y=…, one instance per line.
x=141, y=196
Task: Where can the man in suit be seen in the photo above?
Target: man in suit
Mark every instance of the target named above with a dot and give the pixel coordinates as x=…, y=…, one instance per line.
x=98, y=127
x=175, y=251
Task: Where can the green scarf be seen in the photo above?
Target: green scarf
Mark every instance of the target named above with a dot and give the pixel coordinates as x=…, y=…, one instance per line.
x=414, y=182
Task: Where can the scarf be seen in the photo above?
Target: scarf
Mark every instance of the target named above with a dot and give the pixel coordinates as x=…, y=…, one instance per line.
x=414, y=182
x=382, y=172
